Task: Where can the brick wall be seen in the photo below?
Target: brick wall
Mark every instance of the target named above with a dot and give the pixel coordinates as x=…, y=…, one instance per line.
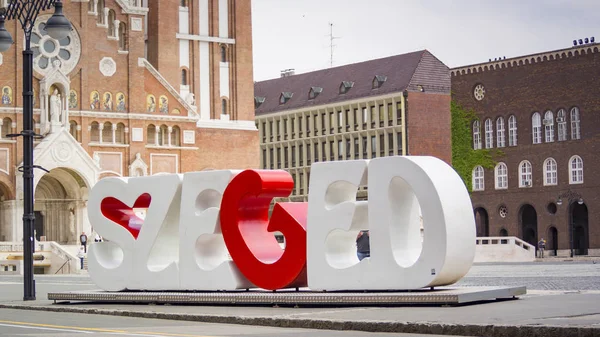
x=428, y=125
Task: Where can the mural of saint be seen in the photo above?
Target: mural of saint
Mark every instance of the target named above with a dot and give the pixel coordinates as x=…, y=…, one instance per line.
x=176, y=111
x=120, y=101
x=150, y=103
x=107, y=102
x=7, y=95
x=95, y=100
x=164, y=104
x=72, y=99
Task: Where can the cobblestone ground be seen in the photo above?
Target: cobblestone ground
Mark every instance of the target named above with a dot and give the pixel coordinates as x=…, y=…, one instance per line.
x=568, y=276
x=561, y=276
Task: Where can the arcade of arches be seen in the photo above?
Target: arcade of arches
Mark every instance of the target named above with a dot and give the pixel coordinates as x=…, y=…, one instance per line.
x=531, y=230
x=60, y=204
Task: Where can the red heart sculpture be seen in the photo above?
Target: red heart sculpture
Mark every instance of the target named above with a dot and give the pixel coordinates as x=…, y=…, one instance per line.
x=116, y=211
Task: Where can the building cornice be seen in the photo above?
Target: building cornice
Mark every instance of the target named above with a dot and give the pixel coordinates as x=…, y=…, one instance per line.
x=526, y=59
x=130, y=9
x=203, y=38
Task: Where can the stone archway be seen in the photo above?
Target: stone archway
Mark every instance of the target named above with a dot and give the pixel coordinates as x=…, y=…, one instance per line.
x=482, y=222
x=579, y=226
x=528, y=224
x=552, y=241
x=6, y=213
x=60, y=200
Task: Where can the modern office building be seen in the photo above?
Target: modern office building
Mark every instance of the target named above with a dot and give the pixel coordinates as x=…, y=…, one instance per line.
x=396, y=105
x=542, y=111
x=137, y=88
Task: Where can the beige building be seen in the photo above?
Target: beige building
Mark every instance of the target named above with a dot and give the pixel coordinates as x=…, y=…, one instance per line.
x=398, y=105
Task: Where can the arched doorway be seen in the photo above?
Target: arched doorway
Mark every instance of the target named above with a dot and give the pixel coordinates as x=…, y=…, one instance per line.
x=6, y=213
x=482, y=223
x=552, y=241
x=528, y=222
x=579, y=226
x=59, y=202
x=503, y=232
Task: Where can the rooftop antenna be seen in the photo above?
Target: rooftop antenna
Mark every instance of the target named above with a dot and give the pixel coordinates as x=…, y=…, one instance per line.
x=331, y=45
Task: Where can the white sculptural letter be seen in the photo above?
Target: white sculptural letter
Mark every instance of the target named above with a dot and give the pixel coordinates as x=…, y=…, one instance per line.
x=55, y=107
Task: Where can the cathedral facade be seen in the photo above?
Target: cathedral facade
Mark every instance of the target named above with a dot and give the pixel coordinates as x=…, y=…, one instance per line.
x=139, y=87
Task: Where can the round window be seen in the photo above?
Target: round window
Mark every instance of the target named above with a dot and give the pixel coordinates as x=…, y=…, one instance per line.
x=502, y=211
x=47, y=51
x=479, y=92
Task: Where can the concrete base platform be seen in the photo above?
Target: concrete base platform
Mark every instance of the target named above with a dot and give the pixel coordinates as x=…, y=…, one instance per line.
x=437, y=296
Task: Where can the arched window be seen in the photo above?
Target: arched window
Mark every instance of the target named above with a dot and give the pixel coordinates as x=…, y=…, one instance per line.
x=120, y=134
x=122, y=36
x=501, y=173
x=223, y=107
x=503, y=232
x=112, y=29
x=500, y=132
x=536, y=123
x=223, y=54
x=512, y=130
x=100, y=11
x=561, y=120
x=107, y=132
x=549, y=126
x=183, y=3
x=175, y=136
x=525, y=174
x=575, y=170
x=91, y=7
x=478, y=181
x=575, y=124
x=6, y=127
x=95, y=132
x=550, y=172
x=73, y=129
x=151, y=134
x=184, y=80
x=489, y=134
x=163, y=135
x=476, y=135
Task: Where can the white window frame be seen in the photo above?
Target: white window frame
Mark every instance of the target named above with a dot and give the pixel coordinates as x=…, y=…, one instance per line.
x=489, y=133
x=525, y=174
x=512, y=130
x=536, y=128
x=575, y=173
x=501, y=176
x=562, y=126
x=550, y=172
x=478, y=178
x=476, y=135
x=575, y=124
x=500, y=132
x=549, y=126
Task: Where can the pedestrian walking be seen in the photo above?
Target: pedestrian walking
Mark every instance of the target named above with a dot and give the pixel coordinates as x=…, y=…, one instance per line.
x=542, y=247
x=81, y=255
x=83, y=239
x=363, y=247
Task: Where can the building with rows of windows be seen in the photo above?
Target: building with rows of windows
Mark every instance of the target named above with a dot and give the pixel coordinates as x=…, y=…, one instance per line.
x=391, y=106
x=139, y=87
x=542, y=113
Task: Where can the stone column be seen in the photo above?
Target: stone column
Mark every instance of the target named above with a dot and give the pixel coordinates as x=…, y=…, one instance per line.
x=170, y=132
x=114, y=133
x=116, y=23
x=100, y=132
x=157, y=135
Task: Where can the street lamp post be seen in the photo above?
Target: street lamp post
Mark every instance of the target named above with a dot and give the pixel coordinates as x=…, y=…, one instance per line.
x=571, y=197
x=58, y=27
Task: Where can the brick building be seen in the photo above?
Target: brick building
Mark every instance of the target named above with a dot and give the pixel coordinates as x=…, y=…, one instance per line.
x=397, y=105
x=543, y=112
x=138, y=88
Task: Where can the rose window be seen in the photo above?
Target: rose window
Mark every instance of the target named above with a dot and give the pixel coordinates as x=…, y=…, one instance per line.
x=503, y=211
x=479, y=92
x=46, y=50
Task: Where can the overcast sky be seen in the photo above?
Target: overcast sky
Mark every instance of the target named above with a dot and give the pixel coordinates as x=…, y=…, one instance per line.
x=295, y=33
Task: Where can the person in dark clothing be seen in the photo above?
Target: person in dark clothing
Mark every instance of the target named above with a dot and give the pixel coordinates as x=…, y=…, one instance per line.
x=83, y=239
x=363, y=248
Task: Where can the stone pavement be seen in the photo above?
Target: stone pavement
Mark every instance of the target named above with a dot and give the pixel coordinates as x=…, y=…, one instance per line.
x=551, y=307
